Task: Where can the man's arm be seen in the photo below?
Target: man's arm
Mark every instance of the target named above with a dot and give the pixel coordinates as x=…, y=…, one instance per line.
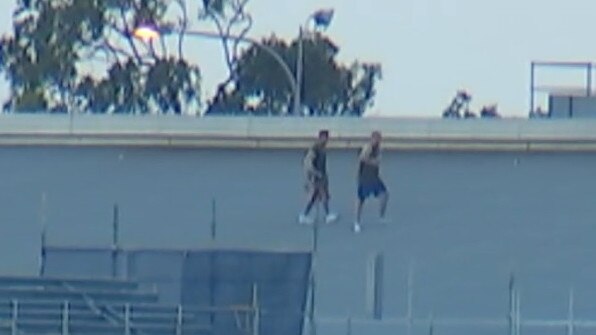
x=308, y=164
x=365, y=156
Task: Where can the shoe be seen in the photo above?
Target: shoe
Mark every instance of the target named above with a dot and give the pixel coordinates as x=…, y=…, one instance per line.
x=304, y=219
x=331, y=217
x=384, y=220
x=357, y=227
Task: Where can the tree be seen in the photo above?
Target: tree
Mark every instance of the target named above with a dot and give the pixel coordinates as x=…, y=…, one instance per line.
x=261, y=87
x=66, y=55
x=81, y=56
x=229, y=17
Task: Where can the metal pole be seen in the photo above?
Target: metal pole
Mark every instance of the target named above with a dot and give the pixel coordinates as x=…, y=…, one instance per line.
x=315, y=243
x=517, y=312
x=14, y=318
x=65, y=319
x=532, y=68
x=374, y=286
x=349, y=326
x=70, y=121
x=213, y=220
x=278, y=58
x=431, y=325
x=589, y=80
x=127, y=319
x=256, y=325
x=43, y=219
x=299, y=64
x=179, y=320
x=115, y=240
x=570, y=320
x=511, y=318
x=410, y=302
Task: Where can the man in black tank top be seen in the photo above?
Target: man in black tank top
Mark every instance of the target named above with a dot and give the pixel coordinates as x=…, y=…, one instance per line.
x=369, y=179
x=317, y=182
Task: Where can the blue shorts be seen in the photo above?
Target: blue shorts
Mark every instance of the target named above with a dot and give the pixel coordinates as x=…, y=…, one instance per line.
x=372, y=189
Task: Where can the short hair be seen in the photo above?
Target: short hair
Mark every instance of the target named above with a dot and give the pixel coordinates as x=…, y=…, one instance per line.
x=323, y=133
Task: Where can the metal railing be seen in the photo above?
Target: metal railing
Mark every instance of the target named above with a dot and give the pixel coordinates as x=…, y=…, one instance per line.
x=67, y=317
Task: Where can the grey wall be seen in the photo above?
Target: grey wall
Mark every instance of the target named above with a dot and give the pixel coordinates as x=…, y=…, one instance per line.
x=462, y=221
x=572, y=106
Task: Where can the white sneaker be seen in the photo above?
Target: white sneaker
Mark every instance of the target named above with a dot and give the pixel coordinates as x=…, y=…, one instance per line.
x=357, y=227
x=331, y=217
x=303, y=219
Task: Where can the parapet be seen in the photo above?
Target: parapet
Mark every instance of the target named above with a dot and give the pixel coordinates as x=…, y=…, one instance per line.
x=289, y=132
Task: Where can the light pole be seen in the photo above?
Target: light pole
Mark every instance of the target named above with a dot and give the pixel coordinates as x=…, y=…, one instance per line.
x=321, y=18
x=148, y=33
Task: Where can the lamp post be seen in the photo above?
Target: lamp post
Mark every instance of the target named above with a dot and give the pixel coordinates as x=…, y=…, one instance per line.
x=322, y=19
x=149, y=33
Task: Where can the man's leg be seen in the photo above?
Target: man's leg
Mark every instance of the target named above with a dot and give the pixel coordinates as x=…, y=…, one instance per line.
x=325, y=201
x=359, y=204
x=329, y=217
x=312, y=198
x=383, y=199
x=311, y=201
x=360, y=198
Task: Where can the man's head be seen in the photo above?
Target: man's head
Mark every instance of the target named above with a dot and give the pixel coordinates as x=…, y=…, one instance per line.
x=375, y=137
x=323, y=137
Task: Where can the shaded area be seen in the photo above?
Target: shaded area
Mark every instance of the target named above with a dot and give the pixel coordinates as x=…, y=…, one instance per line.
x=275, y=283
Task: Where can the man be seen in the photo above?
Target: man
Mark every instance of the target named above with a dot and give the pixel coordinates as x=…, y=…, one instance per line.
x=369, y=180
x=317, y=183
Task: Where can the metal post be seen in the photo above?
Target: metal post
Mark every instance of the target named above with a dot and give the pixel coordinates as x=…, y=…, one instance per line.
x=410, y=293
x=127, y=319
x=115, y=240
x=511, y=317
x=375, y=286
x=299, y=70
x=431, y=325
x=517, y=312
x=70, y=121
x=14, y=318
x=313, y=262
x=43, y=223
x=532, y=69
x=213, y=220
x=589, y=80
x=570, y=317
x=65, y=318
x=349, y=326
x=256, y=325
x=179, y=320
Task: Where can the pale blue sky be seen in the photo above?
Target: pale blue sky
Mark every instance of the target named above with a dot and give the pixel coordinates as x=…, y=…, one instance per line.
x=430, y=48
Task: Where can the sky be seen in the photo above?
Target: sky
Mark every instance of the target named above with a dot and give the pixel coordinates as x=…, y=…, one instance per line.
x=429, y=49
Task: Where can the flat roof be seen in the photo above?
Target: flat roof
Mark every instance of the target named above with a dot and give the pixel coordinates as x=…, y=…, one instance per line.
x=292, y=132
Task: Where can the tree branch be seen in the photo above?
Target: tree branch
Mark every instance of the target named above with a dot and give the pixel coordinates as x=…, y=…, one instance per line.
x=183, y=27
x=224, y=40
x=128, y=36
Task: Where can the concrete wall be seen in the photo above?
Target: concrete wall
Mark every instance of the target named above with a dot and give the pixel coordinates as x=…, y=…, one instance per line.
x=463, y=221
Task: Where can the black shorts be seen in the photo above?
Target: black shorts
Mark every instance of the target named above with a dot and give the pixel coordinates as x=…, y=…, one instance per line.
x=371, y=189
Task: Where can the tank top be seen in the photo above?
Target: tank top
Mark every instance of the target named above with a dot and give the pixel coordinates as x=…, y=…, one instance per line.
x=369, y=173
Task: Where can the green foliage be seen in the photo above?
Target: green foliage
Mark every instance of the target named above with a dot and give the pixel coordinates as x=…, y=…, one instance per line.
x=261, y=87
x=55, y=41
x=80, y=56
